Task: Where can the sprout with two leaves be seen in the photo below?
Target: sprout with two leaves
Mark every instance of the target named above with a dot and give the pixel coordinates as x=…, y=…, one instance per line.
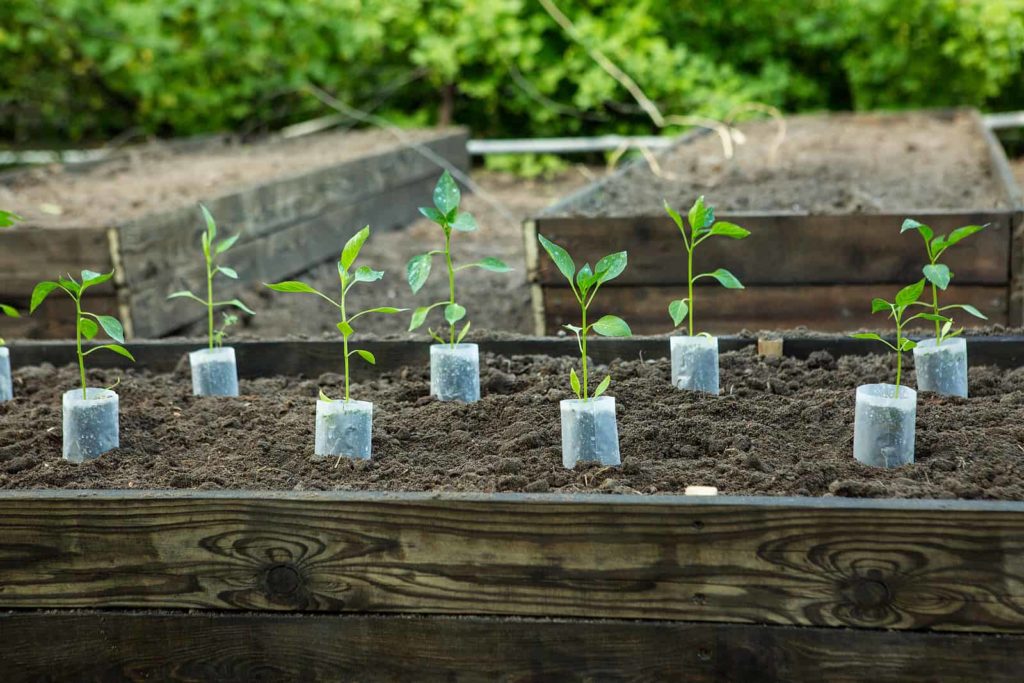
x=348, y=278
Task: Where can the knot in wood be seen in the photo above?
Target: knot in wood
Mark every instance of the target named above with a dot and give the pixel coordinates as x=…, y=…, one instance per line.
x=870, y=594
x=282, y=580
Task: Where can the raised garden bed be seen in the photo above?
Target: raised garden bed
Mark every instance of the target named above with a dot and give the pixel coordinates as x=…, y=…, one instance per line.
x=824, y=213
x=556, y=585
x=294, y=203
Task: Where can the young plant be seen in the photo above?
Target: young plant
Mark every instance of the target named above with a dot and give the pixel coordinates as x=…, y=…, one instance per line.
x=87, y=325
x=227, y=320
x=212, y=250
x=445, y=212
x=939, y=275
x=585, y=284
x=897, y=309
x=7, y=219
x=702, y=226
x=348, y=279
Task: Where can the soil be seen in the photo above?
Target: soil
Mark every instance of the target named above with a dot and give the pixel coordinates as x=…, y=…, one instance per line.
x=495, y=301
x=781, y=427
x=159, y=177
x=836, y=163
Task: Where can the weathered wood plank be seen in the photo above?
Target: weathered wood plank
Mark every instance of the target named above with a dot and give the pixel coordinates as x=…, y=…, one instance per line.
x=155, y=245
x=273, y=257
x=784, y=249
x=936, y=565
x=30, y=255
x=820, y=307
x=118, y=646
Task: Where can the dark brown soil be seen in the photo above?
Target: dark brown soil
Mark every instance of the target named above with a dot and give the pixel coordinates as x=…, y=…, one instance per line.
x=837, y=163
x=160, y=177
x=781, y=427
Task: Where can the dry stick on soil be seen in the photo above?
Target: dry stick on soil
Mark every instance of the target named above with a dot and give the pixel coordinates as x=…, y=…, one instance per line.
x=939, y=274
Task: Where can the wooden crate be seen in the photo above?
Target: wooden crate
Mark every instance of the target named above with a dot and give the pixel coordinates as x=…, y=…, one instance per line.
x=245, y=585
x=287, y=225
x=799, y=269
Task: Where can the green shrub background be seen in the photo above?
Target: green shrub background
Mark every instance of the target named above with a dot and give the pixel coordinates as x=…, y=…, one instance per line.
x=93, y=69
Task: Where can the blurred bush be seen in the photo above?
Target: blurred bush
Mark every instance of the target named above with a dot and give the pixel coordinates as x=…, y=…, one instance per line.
x=93, y=69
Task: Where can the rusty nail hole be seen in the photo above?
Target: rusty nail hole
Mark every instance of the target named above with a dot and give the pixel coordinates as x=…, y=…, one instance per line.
x=698, y=525
x=704, y=654
x=283, y=580
x=700, y=599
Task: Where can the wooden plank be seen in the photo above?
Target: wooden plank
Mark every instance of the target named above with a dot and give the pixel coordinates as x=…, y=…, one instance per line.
x=155, y=245
x=55, y=319
x=904, y=565
x=785, y=249
x=719, y=310
x=119, y=646
x=272, y=257
x=30, y=255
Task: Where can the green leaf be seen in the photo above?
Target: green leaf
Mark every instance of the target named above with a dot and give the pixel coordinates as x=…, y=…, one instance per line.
x=612, y=326
x=211, y=226
x=237, y=304
x=560, y=256
x=675, y=217
x=967, y=307
x=112, y=326
x=9, y=311
x=8, y=218
x=186, y=295
x=384, y=309
x=39, y=294
x=938, y=274
x=961, y=233
x=69, y=284
x=367, y=274
x=603, y=386
x=292, y=286
x=464, y=222
x=724, y=277
x=418, y=316
x=492, y=264
x=367, y=356
x=116, y=348
x=585, y=278
x=325, y=398
x=345, y=329
x=911, y=224
x=869, y=335
x=678, y=311
x=91, y=277
x=931, y=316
x=433, y=214
x=574, y=382
x=611, y=266
x=205, y=240
x=465, y=331
x=230, y=272
x=700, y=215
x=446, y=194
x=453, y=313
x=418, y=270
x=88, y=328
x=910, y=294
x=879, y=305
x=907, y=344
x=730, y=230
x=352, y=247
x=227, y=243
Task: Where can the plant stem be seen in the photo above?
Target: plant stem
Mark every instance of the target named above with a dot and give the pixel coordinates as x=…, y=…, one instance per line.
x=899, y=356
x=344, y=337
x=78, y=345
x=583, y=350
x=689, y=281
x=935, y=309
x=451, y=277
x=209, y=295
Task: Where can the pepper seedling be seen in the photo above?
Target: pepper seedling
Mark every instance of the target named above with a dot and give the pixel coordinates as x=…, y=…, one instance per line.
x=347, y=279
x=227, y=320
x=702, y=222
x=87, y=325
x=446, y=214
x=212, y=250
x=584, y=284
x=897, y=309
x=7, y=219
x=939, y=274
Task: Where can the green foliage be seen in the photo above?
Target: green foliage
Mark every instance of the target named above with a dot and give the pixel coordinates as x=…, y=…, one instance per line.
x=584, y=284
x=939, y=274
x=212, y=250
x=702, y=225
x=347, y=279
x=87, y=325
x=95, y=68
x=897, y=309
x=445, y=212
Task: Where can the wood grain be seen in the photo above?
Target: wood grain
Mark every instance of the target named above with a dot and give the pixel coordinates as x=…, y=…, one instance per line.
x=785, y=249
x=30, y=255
x=825, y=308
x=815, y=562
x=119, y=646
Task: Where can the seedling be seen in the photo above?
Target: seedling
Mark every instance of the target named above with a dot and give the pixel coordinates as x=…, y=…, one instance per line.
x=897, y=309
x=348, y=279
x=585, y=284
x=446, y=214
x=939, y=275
x=7, y=219
x=227, y=320
x=87, y=325
x=212, y=250
x=702, y=226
